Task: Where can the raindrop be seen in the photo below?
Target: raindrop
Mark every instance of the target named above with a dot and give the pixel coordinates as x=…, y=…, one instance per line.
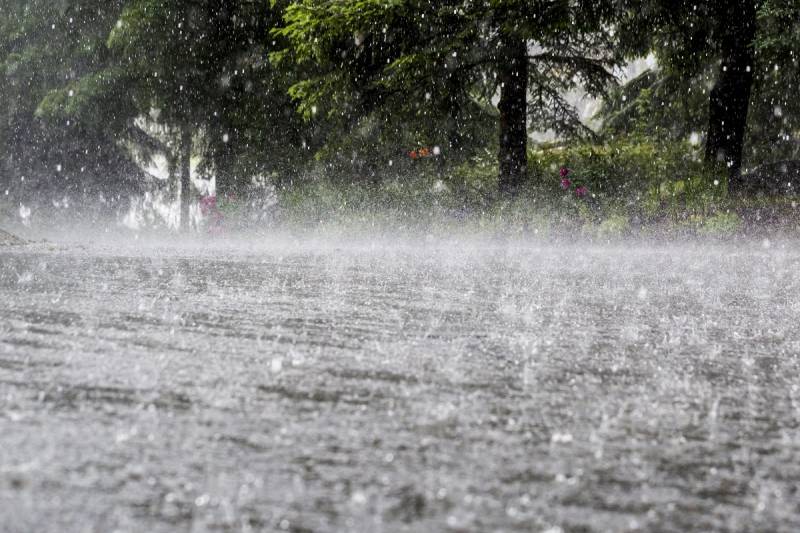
x=561, y=438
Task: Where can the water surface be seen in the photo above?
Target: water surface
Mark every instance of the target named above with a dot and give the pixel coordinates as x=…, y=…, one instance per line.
x=440, y=386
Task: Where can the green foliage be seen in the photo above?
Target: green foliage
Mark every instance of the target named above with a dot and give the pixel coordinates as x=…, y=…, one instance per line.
x=637, y=175
x=721, y=224
x=686, y=38
x=658, y=105
x=633, y=183
x=425, y=204
x=344, y=89
x=44, y=46
x=615, y=169
x=774, y=125
x=430, y=68
x=204, y=65
x=616, y=225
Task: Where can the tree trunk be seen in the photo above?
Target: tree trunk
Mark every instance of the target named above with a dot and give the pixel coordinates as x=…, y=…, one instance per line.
x=186, y=176
x=173, y=183
x=730, y=97
x=513, y=107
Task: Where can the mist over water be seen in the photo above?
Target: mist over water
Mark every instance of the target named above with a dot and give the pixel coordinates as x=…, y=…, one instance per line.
x=398, y=383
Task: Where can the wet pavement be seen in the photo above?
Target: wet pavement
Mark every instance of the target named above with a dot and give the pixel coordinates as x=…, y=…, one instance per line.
x=439, y=386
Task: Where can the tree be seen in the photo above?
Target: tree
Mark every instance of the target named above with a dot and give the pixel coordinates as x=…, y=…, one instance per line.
x=399, y=55
x=697, y=42
x=658, y=105
x=729, y=100
x=166, y=50
x=774, y=131
x=198, y=73
x=745, y=51
x=45, y=45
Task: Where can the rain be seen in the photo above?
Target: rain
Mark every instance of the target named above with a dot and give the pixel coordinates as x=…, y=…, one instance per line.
x=399, y=266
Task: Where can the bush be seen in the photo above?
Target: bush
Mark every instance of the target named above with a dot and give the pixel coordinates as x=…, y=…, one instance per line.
x=629, y=184
x=651, y=180
x=614, y=226
x=721, y=224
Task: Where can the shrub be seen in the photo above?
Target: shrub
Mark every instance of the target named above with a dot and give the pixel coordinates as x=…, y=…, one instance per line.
x=723, y=223
x=639, y=175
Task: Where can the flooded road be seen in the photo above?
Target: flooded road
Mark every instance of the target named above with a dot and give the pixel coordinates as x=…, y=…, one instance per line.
x=378, y=387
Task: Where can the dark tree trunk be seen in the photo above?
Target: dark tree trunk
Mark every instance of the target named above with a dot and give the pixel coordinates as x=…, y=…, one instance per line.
x=173, y=186
x=730, y=97
x=186, y=175
x=513, y=107
x=222, y=27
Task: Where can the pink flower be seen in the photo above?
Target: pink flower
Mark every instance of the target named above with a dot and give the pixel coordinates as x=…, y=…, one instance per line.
x=564, y=172
x=581, y=191
x=208, y=204
x=565, y=183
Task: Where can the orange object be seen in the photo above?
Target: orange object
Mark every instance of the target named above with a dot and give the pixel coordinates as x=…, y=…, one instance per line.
x=420, y=153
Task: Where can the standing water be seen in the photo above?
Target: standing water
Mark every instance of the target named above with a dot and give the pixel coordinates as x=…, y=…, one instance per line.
x=458, y=386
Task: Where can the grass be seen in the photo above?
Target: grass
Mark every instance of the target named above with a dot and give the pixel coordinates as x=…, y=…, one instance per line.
x=635, y=188
x=430, y=204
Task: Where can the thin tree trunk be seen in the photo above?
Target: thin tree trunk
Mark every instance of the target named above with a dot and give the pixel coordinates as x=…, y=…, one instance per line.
x=173, y=183
x=513, y=107
x=730, y=97
x=186, y=173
